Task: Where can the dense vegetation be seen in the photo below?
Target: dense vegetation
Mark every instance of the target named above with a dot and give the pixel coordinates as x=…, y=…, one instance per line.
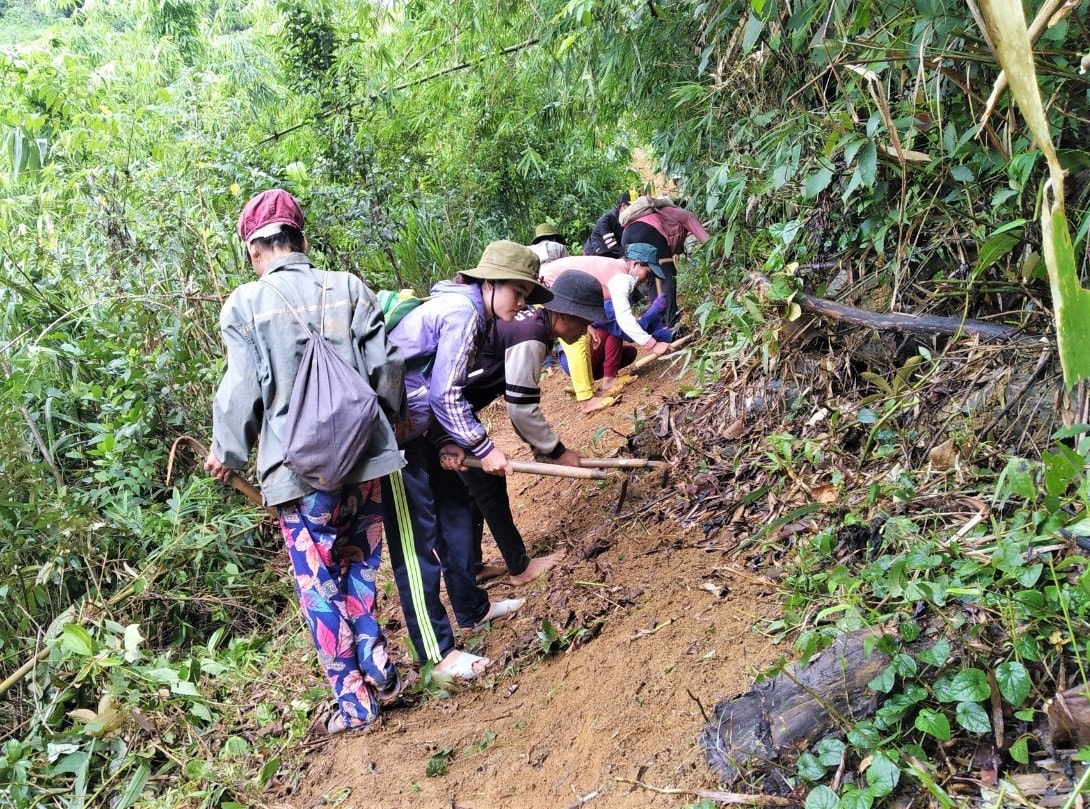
x=834, y=132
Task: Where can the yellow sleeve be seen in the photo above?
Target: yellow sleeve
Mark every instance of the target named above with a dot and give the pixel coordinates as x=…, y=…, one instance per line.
x=578, y=354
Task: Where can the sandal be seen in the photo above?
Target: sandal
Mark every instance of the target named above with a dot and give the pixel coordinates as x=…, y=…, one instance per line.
x=391, y=690
x=335, y=725
x=498, y=609
x=462, y=665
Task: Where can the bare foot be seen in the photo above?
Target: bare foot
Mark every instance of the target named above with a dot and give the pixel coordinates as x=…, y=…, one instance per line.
x=607, y=382
x=488, y=572
x=596, y=403
x=538, y=566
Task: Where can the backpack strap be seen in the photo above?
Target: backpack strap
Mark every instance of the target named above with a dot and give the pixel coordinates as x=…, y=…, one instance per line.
x=294, y=311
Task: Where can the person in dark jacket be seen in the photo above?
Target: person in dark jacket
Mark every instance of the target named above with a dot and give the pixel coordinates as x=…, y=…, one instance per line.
x=605, y=239
x=509, y=365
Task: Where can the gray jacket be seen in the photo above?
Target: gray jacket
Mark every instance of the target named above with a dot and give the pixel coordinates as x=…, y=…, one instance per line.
x=265, y=345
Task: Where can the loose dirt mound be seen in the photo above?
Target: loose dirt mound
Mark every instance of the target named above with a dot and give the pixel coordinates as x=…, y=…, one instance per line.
x=660, y=631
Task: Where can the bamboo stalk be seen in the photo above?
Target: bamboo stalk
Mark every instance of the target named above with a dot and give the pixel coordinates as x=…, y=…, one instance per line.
x=650, y=358
x=556, y=470
x=621, y=463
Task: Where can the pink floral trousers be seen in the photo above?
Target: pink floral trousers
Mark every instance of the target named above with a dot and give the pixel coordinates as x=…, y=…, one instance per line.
x=334, y=541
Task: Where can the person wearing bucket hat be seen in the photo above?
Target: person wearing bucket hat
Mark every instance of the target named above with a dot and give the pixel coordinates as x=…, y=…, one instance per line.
x=618, y=279
x=509, y=365
x=429, y=522
x=666, y=229
x=334, y=561
x=548, y=244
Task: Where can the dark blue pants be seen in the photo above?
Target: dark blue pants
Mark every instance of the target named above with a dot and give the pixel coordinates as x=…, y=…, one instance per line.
x=651, y=321
x=412, y=530
x=429, y=533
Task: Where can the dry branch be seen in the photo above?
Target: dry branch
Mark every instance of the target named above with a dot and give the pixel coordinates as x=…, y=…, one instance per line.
x=734, y=798
x=924, y=325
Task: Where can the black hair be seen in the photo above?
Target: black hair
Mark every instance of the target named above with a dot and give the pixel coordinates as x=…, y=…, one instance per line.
x=289, y=237
x=623, y=199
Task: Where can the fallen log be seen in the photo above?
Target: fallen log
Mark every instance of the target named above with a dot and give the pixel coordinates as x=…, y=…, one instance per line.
x=794, y=709
x=924, y=325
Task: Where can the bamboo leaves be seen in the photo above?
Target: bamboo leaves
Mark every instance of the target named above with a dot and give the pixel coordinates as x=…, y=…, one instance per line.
x=1006, y=27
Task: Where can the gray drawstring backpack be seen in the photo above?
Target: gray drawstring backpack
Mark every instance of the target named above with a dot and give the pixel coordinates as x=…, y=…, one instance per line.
x=332, y=414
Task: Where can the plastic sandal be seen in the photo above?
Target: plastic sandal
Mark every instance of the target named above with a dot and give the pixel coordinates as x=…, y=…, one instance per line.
x=335, y=725
x=461, y=665
x=391, y=690
x=498, y=609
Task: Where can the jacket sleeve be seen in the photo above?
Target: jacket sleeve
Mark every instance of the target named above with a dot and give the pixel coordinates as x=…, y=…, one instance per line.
x=522, y=392
x=383, y=364
x=688, y=220
x=238, y=409
x=582, y=376
x=455, y=351
x=620, y=291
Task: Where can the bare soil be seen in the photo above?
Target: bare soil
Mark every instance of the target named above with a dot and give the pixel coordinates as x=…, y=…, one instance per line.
x=661, y=631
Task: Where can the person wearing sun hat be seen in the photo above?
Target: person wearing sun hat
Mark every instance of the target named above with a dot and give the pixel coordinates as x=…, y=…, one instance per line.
x=428, y=523
x=603, y=348
x=509, y=365
x=548, y=243
x=334, y=560
x=666, y=229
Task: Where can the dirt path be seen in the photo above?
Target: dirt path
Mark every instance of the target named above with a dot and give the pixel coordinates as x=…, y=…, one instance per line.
x=657, y=649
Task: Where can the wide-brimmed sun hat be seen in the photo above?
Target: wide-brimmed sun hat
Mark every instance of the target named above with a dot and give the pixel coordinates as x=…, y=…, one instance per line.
x=267, y=213
x=505, y=260
x=547, y=231
x=578, y=294
x=647, y=254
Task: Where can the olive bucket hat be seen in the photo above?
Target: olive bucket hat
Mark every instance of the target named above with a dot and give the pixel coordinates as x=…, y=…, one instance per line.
x=546, y=231
x=578, y=294
x=510, y=261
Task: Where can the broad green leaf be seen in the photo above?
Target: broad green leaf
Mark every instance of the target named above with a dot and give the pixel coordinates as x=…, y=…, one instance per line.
x=972, y=717
x=884, y=681
x=1013, y=681
x=933, y=723
x=830, y=751
x=809, y=767
x=882, y=775
x=822, y=798
x=817, y=182
x=968, y=685
x=936, y=655
x=754, y=26
x=1020, y=750
x=77, y=640
x=998, y=246
x=963, y=174
x=856, y=799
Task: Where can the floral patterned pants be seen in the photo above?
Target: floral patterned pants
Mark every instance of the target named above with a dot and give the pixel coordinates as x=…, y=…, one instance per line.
x=334, y=541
